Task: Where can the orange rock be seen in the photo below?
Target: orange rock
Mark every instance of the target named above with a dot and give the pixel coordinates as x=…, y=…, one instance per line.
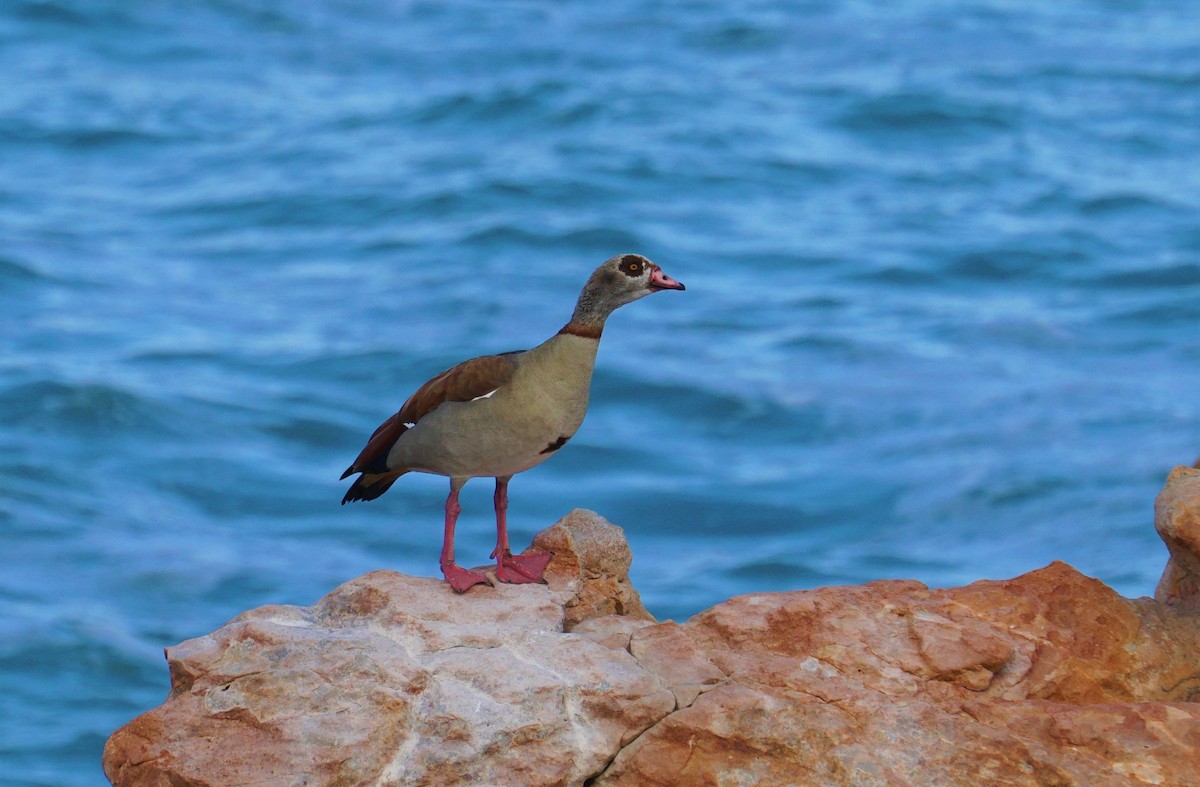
x=591, y=560
x=1177, y=518
x=1048, y=678
x=392, y=679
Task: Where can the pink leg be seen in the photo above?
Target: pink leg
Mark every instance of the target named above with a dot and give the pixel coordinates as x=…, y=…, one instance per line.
x=518, y=569
x=459, y=578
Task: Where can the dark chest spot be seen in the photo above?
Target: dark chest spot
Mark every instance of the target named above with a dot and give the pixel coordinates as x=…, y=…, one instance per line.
x=557, y=444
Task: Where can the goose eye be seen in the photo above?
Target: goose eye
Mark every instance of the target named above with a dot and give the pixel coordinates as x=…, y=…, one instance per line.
x=632, y=266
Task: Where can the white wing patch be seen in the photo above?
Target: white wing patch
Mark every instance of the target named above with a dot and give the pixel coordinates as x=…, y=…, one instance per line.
x=486, y=395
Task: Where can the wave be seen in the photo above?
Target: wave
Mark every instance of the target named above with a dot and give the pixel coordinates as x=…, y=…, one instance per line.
x=14, y=272
x=1184, y=274
x=83, y=407
x=904, y=117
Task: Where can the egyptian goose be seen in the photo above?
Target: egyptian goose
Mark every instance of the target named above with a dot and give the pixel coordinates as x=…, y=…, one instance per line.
x=498, y=415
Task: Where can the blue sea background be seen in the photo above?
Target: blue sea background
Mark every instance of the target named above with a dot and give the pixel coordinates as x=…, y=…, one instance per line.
x=943, y=269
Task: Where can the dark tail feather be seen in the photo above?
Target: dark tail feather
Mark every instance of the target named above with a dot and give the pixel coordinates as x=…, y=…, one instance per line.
x=369, y=487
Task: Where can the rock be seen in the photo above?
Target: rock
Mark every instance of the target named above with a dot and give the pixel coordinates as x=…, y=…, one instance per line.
x=611, y=631
x=1048, y=678
x=1177, y=519
x=591, y=560
x=668, y=652
x=393, y=679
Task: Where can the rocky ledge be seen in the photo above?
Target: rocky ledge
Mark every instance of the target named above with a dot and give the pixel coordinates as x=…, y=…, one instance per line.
x=1048, y=678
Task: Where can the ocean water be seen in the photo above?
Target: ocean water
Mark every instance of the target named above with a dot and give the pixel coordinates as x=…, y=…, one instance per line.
x=943, y=269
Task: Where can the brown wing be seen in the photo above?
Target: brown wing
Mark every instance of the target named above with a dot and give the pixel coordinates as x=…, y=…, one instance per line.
x=469, y=380
x=462, y=383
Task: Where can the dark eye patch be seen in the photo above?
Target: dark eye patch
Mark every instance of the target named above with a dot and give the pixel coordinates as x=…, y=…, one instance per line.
x=632, y=265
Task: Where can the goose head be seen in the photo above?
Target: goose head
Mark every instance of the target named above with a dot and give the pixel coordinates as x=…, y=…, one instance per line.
x=619, y=280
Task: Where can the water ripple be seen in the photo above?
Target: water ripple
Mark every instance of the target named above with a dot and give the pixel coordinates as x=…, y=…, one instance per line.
x=942, y=266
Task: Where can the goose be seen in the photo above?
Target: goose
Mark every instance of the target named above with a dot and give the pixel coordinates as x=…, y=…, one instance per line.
x=499, y=415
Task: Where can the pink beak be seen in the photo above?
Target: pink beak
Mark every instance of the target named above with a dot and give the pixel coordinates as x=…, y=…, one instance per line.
x=661, y=281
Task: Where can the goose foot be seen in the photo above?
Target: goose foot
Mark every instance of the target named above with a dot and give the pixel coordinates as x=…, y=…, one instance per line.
x=462, y=579
x=522, y=569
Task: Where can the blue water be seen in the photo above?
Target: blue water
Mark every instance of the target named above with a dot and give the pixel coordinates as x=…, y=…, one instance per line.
x=943, y=268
